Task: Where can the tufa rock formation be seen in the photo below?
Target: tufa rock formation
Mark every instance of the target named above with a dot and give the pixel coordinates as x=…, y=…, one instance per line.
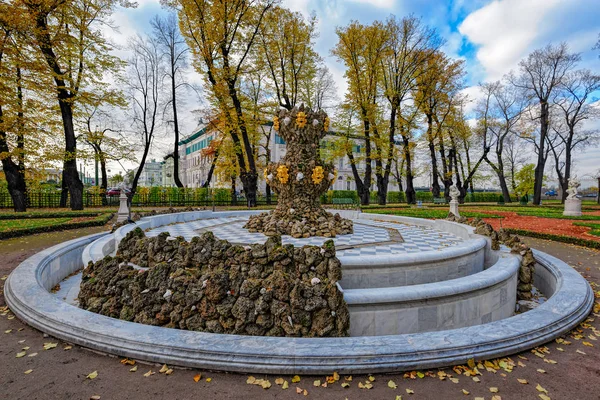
x=210, y=285
x=527, y=268
x=299, y=179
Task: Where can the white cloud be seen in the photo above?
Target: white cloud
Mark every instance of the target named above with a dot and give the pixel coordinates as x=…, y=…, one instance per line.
x=376, y=3
x=504, y=30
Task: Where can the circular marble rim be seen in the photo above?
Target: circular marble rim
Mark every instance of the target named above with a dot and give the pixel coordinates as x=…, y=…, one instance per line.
x=29, y=300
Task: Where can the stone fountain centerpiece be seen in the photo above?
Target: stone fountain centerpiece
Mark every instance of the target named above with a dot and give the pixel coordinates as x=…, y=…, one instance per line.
x=572, y=203
x=299, y=179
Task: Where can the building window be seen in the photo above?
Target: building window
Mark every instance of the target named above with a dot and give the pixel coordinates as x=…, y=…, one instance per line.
x=279, y=139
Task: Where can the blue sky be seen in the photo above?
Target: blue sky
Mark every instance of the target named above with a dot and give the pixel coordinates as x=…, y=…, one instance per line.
x=491, y=36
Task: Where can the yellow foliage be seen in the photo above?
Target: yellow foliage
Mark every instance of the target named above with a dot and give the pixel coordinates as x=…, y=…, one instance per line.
x=317, y=175
x=282, y=174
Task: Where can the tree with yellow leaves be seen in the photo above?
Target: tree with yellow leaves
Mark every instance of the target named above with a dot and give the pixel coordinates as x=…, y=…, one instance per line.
x=221, y=35
x=362, y=49
x=410, y=44
x=435, y=94
x=68, y=37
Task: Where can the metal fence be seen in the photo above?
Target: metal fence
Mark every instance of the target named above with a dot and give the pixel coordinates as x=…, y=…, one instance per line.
x=173, y=199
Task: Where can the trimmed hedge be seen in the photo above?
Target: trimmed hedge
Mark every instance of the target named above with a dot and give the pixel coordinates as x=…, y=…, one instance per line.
x=53, y=214
x=557, y=238
x=98, y=221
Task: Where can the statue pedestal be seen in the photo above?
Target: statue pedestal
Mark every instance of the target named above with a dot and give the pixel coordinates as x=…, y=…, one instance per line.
x=123, y=213
x=454, y=207
x=572, y=208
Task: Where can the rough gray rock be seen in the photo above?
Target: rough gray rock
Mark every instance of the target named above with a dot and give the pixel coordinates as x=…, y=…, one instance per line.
x=211, y=285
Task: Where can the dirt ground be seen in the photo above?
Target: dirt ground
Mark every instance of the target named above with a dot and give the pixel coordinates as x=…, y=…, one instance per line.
x=61, y=374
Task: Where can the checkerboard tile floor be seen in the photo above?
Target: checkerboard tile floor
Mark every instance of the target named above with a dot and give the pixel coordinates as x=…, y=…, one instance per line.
x=416, y=238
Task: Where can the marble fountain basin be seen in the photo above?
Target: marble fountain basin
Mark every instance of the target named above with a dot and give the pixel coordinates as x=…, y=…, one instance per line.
x=421, y=294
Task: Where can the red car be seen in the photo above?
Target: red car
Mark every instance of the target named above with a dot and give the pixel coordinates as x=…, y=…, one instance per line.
x=115, y=191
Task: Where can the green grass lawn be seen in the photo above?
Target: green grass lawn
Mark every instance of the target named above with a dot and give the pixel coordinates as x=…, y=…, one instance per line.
x=595, y=227
x=428, y=213
x=18, y=224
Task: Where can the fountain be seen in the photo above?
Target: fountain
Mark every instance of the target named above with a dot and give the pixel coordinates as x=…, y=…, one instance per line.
x=299, y=179
x=352, y=292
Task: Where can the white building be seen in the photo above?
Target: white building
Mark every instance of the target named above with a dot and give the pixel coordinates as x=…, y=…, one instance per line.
x=167, y=171
x=196, y=155
x=151, y=174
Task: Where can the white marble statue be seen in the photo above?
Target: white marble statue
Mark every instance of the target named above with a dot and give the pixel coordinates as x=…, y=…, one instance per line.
x=454, y=192
x=454, y=195
x=574, y=184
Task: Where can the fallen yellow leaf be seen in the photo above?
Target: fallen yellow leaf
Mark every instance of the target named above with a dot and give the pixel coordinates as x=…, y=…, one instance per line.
x=48, y=346
x=92, y=375
x=580, y=352
x=210, y=379
x=494, y=389
x=69, y=348
x=465, y=392
x=336, y=376
x=32, y=355
x=410, y=391
x=476, y=379
x=522, y=381
x=298, y=390
x=197, y=377
x=371, y=378
x=295, y=379
x=169, y=371
x=392, y=385
x=471, y=363
x=21, y=354
x=149, y=373
x=317, y=383
x=544, y=397
x=285, y=385
x=345, y=385
x=454, y=380
x=588, y=344
x=95, y=397
x=133, y=369
x=541, y=371
x=279, y=381
x=541, y=389
x=28, y=372
x=164, y=369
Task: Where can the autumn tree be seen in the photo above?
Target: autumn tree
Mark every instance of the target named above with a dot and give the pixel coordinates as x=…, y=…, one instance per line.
x=572, y=107
x=11, y=111
x=362, y=49
x=221, y=35
x=98, y=129
x=174, y=52
x=286, y=48
x=410, y=44
x=541, y=74
x=436, y=95
x=69, y=38
x=499, y=113
x=144, y=88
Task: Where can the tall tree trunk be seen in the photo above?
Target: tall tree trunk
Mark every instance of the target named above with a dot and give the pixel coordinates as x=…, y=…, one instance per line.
x=268, y=193
x=175, y=127
x=435, y=184
x=104, y=180
x=568, y=155
x=211, y=170
x=233, y=192
x=499, y=170
x=15, y=172
x=65, y=101
x=541, y=162
x=411, y=195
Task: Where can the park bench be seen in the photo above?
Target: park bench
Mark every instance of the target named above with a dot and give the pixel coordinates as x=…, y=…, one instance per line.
x=343, y=202
x=439, y=200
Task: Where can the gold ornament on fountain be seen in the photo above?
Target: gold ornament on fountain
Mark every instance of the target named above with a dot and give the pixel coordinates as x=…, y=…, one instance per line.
x=276, y=123
x=282, y=174
x=318, y=175
x=326, y=124
x=301, y=119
